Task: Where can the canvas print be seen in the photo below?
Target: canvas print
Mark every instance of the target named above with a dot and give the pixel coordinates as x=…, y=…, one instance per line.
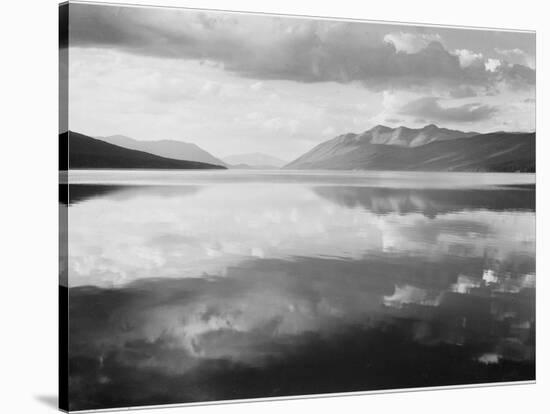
x=264, y=206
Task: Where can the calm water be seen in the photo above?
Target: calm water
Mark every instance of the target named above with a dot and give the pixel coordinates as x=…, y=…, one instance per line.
x=200, y=286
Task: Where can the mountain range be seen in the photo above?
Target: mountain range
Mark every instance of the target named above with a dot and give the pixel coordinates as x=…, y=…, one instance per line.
x=381, y=148
x=425, y=149
x=187, y=151
x=177, y=150
x=89, y=153
x=254, y=160
x=409, y=137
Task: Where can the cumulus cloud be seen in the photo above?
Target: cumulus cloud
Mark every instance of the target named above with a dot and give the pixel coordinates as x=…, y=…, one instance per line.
x=492, y=65
x=467, y=57
x=411, y=42
x=278, y=48
x=431, y=109
x=517, y=56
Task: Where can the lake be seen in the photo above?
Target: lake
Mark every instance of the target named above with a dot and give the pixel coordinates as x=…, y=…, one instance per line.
x=194, y=286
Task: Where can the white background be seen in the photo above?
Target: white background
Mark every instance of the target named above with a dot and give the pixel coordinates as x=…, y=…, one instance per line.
x=28, y=275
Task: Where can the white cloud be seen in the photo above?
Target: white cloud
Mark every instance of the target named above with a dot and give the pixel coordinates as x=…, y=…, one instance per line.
x=144, y=88
x=491, y=65
x=262, y=48
x=467, y=57
x=410, y=42
x=149, y=98
x=517, y=56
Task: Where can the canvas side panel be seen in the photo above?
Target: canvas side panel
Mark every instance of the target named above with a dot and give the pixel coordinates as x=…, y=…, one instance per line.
x=63, y=207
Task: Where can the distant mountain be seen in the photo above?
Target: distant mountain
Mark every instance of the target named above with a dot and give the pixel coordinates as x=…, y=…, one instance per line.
x=254, y=160
x=165, y=148
x=380, y=135
x=250, y=167
x=407, y=137
x=499, y=151
x=87, y=152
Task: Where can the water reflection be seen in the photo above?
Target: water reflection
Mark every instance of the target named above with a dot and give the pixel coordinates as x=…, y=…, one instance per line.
x=431, y=202
x=198, y=293
x=82, y=192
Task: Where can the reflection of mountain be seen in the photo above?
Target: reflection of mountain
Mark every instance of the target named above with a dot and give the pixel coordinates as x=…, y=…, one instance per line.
x=254, y=160
x=81, y=192
x=89, y=153
x=165, y=148
x=429, y=202
x=443, y=151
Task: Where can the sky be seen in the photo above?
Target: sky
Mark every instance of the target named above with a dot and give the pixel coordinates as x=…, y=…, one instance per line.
x=240, y=83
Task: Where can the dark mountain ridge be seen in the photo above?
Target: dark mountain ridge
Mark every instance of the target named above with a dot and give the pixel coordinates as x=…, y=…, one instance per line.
x=167, y=148
x=85, y=152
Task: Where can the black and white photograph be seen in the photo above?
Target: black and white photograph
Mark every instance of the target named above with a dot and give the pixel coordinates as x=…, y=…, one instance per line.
x=263, y=206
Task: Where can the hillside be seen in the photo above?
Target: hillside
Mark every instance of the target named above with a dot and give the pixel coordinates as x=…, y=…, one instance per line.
x=88, y=153
x=408, y=137
x=497, y=152
x=176, y=150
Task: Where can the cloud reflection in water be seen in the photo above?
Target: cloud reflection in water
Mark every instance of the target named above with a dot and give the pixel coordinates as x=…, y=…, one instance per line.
x=262, y=290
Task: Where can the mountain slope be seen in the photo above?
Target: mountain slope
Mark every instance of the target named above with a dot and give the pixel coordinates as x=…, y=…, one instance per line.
x=379, y=135
x=165, y=148
x=88, y=152
x=409, y=137
x=483, y=152
x=255, y=159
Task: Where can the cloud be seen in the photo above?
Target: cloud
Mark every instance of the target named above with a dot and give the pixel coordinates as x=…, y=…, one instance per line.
x=411, y=42
x=517, y=76
x=430, y=108
x=492, y=65
x=467, y=57
x=517, y=56
x=278, y=48
x=462, y=92
x=393, y=120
